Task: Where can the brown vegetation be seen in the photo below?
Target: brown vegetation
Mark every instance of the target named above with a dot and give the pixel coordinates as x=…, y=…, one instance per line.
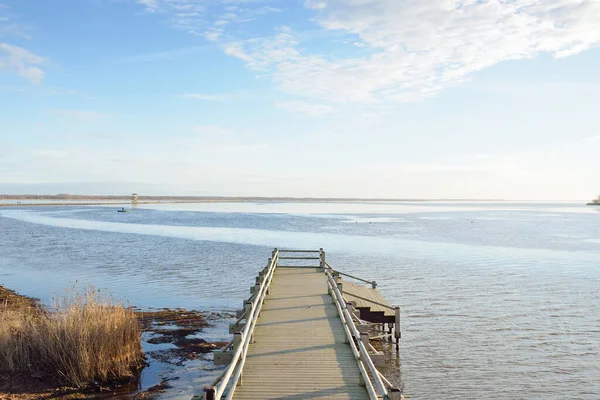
x=86, y=338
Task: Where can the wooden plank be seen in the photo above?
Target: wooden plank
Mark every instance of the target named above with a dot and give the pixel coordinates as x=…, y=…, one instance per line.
x=369, y=293
x=299, y=349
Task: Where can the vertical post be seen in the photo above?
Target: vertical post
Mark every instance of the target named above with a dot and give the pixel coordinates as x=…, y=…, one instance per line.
x=321, y=259
x=395, y=394
x=397, y=327
x=273, y=253
x=237, y=340
x=257, y=292
x=374, y=285
x=340, y=286
x=266, y=271
x=364, y=337
x=209, y=393
x=352, y=309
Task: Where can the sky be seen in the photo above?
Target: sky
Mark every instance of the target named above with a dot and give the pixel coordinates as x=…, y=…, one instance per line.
x=472, y=99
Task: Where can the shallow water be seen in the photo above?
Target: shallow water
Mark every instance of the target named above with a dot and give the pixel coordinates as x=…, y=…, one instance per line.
x=499, y=300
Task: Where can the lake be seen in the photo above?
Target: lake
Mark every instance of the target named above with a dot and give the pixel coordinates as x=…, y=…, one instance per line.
x=499, y=300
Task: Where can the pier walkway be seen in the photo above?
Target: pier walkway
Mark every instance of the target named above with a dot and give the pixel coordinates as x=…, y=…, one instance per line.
x=299, y=338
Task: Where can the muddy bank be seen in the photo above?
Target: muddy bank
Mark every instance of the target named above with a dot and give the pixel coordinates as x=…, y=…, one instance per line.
x=170, y=337
x=180, y=328
x=13, y=300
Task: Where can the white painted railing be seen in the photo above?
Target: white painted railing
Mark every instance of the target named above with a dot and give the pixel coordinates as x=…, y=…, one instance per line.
x=233, y=374
x=377, y=386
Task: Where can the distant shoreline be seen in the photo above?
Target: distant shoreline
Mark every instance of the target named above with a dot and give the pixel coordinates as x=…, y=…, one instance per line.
x=202, y=199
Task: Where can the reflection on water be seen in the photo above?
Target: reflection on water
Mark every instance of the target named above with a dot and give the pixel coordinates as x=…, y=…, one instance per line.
x=498, y=301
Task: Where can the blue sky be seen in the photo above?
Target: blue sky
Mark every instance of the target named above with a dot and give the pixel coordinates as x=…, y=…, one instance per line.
x=320, y=98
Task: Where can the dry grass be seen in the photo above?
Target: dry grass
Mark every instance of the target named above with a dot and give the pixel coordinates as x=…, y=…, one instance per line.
x=86, y=337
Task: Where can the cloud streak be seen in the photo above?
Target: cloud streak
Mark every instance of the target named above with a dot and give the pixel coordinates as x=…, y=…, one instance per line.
x=78, y=114
x=17, y=60
x=208, y=18
x=414, y=49
x=218, y=97
x=300, y=107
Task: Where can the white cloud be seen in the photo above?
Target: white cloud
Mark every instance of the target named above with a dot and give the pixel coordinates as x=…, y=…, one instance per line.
x=315, y=4
x=10, y=25
x=212, y=97
x=19, y=61
x=592, y=139
x=208, y=18
x=151, y=5
x=78, y=114
x=212, y=130
x=49, y=153
x=413, y=49
x=300, y=107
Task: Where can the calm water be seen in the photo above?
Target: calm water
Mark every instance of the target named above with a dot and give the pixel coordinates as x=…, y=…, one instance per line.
x=499, y=301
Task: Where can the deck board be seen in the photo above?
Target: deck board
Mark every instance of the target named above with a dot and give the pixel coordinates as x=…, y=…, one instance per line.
x=369, y=293
x=299, y=349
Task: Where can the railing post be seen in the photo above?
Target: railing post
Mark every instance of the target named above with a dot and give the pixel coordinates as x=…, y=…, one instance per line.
x=395, y=394
x=209, y=393
x=352, y=309
x=237, y=340
x=257, y=291
x=397, y=333
x=321, y=259
x=364, y=337
x=374, y=285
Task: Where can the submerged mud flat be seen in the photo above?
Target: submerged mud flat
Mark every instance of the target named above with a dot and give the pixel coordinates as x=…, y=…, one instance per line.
x=181, y=329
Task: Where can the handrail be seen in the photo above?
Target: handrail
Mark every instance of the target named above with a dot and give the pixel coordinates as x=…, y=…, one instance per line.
x=239, y=356
x=369, y=300
x=374, y=381
x=348, y=275
x=363, y=353
x=355, y=351
x=242, y=362
x=298, y=251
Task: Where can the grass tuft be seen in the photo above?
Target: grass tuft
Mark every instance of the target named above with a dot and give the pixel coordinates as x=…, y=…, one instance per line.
x=86, y=337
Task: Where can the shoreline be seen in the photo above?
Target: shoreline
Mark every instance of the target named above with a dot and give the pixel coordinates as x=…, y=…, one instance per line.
x=178, y=329
x=203, y=199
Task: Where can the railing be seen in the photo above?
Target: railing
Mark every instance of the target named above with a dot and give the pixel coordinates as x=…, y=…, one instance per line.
x=396, y=309
x=372, y=283
x=242, y=339
x=376, y=384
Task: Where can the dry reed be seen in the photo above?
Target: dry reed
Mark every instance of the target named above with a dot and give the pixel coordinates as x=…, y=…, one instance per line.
x=85, y=337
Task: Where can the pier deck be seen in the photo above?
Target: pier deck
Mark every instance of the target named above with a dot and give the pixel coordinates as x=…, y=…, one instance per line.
x=299, y=338
x=300, y=349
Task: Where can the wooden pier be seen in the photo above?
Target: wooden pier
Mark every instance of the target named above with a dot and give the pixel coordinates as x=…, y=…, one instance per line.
x=305, y=333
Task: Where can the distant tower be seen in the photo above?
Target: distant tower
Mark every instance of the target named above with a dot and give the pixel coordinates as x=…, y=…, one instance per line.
x=134, y=198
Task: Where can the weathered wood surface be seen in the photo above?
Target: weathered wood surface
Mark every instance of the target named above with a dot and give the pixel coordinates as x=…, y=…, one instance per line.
x=299, y=349
x=368, y=293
